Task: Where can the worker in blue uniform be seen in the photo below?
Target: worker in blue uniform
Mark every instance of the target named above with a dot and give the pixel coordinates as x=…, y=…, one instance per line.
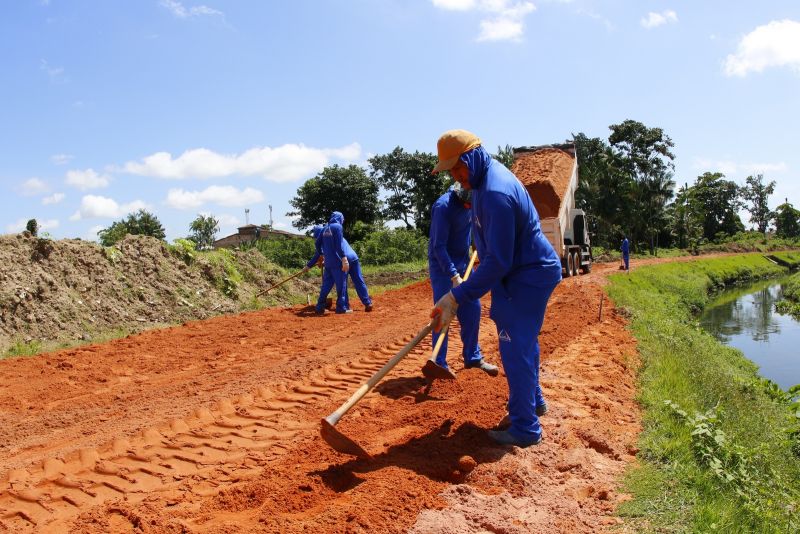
x=343, y=260
x=448, y=256
x=327, y=276
x=517, y=264
x=626, y=253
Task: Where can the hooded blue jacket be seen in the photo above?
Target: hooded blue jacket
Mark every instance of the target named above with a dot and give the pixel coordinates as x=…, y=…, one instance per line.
x=448, y=248
x=510, y=243
x=334, y=245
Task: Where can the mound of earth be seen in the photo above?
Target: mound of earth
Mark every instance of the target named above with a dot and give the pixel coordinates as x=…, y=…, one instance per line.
x=71, y=289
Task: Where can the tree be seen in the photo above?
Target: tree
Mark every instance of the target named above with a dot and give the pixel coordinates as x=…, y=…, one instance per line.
x=645, y=154
x=411, y=187
x=686, y=223
x=140, y=223
x=604, y=190
x=204, y=228
x=345, y=189
x=718, y=200
x=505, y=155
x=787, y=220
x=33, y=227
x=755, y=194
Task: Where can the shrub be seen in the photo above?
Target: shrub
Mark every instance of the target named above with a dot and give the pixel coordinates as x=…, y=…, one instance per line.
x=397, y=245
x=288, y=253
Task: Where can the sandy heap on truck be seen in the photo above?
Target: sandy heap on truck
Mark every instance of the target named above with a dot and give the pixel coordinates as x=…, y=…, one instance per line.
x=545, y=173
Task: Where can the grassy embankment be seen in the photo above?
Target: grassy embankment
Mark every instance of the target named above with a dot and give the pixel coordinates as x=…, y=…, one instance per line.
x=720, y=450
x=791, y=297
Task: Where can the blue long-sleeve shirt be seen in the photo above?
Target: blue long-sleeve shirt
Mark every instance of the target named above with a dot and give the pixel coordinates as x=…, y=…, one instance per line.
x=448, y=248
x=625, y=247
x=332, y=243
x=507, y=233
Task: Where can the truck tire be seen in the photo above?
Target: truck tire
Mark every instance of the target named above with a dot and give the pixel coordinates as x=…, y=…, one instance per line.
x=568, y=266
x=586, y=269
x=576, y=262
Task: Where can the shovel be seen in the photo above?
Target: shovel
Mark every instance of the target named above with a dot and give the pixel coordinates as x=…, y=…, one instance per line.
x=339, y=441
x=295, y=275
x=431, y=369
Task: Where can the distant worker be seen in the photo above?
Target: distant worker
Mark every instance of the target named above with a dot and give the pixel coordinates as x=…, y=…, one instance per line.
x=517, y=264
x=448, y=256
x=343, y=260
x=327, y=276
x=626, y=253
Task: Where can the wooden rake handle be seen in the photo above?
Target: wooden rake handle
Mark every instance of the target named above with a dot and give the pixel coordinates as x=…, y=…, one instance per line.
x=295, y=275
x=443, y=335
x=366, y=387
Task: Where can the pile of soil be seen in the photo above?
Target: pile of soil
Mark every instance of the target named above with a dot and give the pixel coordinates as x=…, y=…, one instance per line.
x=73, y=290
x=545, y=174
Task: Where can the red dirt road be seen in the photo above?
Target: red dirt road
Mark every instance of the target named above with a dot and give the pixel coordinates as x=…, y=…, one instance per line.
x=213, y=427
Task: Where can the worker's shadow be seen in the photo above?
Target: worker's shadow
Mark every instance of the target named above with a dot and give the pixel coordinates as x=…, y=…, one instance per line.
x=434, y=455
x=419, y=388
x=307, y=311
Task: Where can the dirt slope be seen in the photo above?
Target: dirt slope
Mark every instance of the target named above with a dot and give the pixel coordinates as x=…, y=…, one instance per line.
x=212, y=427
x=71, y=289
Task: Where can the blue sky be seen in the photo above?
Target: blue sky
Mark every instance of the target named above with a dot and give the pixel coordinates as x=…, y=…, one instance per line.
x=210, y=106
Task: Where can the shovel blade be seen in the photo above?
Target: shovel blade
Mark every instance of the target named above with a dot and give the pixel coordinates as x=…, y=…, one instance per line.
x=433, y=371
x=340, y=442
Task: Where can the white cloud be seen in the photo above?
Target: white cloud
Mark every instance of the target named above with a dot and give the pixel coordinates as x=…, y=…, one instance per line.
x=285, y=163
x=21, y=224
x=734, y=169
x=182, y=12
x=61, y=159
x=455, y=5
x=91, y=234
x=55, y=198
x=97, y=207
x=776, y=44
x=225, y=219
x=506, y=20
x=33, y=187
x=56, y=74
x=88, y=179
x=227, y=196
x=653, y=20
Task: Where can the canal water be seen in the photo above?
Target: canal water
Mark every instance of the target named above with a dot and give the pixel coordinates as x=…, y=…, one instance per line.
x=745, y=318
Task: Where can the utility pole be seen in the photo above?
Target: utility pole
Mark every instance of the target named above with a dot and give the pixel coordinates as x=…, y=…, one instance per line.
x=270, y=216
x=247, y=216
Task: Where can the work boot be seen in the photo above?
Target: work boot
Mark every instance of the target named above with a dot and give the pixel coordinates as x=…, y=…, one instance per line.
x=505, y=422
x=485, y=366
x=504, y=437
x=348, y=310
x=368, y=307
x=319, y=311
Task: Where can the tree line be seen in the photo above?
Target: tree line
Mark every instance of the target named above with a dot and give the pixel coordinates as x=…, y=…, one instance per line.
x=627, y=188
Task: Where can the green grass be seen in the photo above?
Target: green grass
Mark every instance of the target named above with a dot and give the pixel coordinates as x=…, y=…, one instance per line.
x=716, y=450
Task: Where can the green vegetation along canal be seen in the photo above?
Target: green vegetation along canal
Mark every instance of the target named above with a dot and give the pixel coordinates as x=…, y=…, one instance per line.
x=745, y=318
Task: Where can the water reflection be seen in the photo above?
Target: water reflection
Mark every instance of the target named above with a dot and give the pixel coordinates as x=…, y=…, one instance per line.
x=749, y=314
x=745, y=318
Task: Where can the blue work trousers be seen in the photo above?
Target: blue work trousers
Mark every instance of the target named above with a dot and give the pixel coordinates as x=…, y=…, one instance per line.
x=469, y=317
x=324, y=289
x=518, y=313
x=626, y=258
x=359, y=284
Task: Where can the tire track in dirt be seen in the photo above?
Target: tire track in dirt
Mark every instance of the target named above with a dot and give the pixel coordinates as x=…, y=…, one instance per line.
x=225, y=444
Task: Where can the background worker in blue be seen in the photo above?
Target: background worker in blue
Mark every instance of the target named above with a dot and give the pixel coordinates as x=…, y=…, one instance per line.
x=448, y=256
x=517, y=264
x=342, y=259
x=327, y=276
x=626, y=253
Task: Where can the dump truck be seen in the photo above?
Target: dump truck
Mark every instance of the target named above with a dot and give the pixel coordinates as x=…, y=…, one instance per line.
x=550, y=175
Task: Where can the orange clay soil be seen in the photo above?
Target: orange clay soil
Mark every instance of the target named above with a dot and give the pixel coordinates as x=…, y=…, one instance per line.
x=213, y=427
x=545, y=174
